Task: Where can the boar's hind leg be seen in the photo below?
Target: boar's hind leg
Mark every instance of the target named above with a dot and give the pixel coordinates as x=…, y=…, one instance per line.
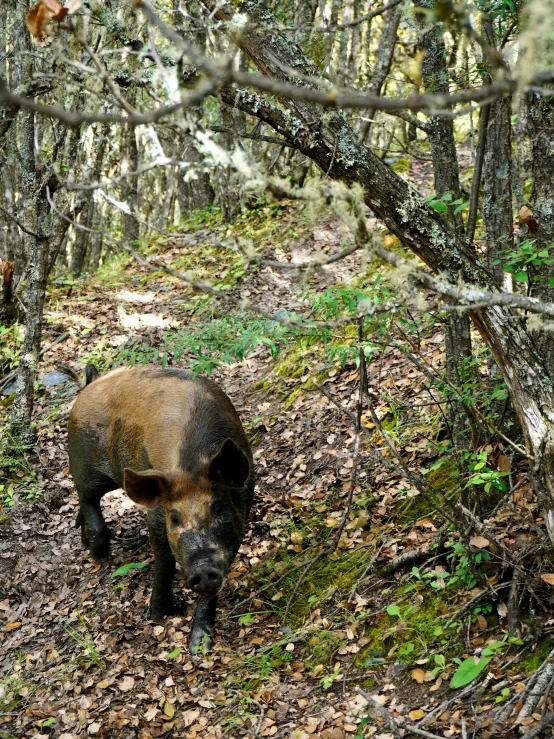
x=95, y=534
x=203, y=625
x=161, y=602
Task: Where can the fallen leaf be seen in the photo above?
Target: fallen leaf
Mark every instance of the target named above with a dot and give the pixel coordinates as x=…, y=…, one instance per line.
x=417, y=714
x=526, y=215
x=94, y=728
x=548, y=577
x=479, y=541
x=150, y=714
x=40, y=16
x=482, y=622
x=127, y=683
x=418, y=675
x=12, y=626
x=503, y=463
x=189, y=717
x=502, y=609
x=169, y=709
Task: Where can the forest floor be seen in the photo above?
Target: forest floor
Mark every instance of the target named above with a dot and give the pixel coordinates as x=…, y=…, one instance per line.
x=78, y=653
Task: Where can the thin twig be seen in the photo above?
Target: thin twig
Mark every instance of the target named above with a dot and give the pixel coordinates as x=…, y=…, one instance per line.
x=391, y=723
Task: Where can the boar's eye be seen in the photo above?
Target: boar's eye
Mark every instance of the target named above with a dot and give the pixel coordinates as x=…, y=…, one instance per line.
x=175, y=518
x=217, y=508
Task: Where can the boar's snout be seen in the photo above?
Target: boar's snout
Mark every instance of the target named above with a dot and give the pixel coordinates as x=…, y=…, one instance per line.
x=206, y=580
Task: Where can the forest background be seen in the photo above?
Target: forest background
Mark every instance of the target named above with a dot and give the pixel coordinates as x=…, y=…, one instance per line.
x=344, y=213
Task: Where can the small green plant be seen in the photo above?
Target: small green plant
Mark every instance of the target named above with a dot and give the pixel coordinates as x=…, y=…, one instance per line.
x=221, y=341
x=175, y=653
x=7, y=494
x=463, y=572
x=246, y=619
x=481, y=474
x=363, y=723
x=444, y=202
x=328, y=680
x=436, y=579
x=471, y=667
x=125, y=569
x=84, y=639
x=14, y=689
x=11, y=339
x=519, y=261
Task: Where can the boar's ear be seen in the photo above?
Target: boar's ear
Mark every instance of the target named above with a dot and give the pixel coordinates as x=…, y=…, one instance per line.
x=230, y=465
x=145, y=488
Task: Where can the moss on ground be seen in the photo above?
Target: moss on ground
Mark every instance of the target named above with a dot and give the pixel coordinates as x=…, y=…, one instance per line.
x=412, y=633
x=535, y=659
x=320, y=648
x=446, y=479
x=334, y=574
x=446, y=476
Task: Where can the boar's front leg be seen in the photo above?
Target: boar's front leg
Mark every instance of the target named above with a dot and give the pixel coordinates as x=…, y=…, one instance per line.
x=203, y=625
x=161, y=602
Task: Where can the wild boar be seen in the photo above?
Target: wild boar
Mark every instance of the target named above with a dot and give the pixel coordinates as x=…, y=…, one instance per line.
x=176, y=445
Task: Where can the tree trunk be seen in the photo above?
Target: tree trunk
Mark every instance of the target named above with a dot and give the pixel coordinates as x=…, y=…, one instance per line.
x=225, y=179
x=542, y=207
x=383, y=62
x=194, y=187
x=497, y=187
x=83, y=238
x=35, y=213
x=440, y=133
x=130, y=191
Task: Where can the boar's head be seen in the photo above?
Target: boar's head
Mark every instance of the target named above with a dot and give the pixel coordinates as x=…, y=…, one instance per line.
x=205, y=513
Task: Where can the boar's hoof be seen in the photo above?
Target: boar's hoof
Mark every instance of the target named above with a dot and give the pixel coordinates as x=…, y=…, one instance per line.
x=201, y=638
x=161, y=610
x=97, y=542
x=99, y=545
